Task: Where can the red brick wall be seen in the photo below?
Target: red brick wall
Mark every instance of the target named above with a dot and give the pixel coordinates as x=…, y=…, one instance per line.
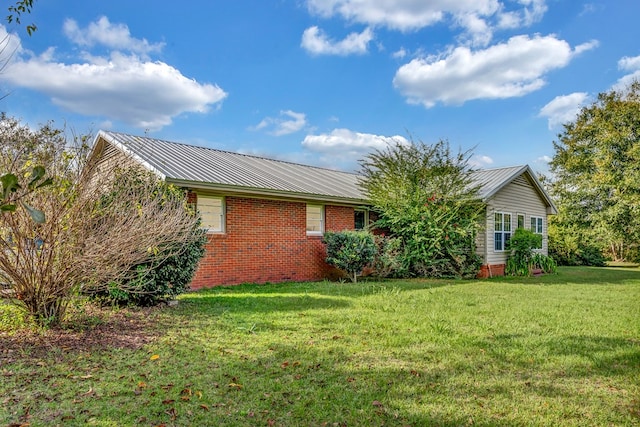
x=491, y=270
x=266, y=241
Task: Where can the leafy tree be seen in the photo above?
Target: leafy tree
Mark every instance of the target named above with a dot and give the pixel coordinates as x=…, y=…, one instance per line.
x=350, y=251
x=597, y=178
x=424, y=196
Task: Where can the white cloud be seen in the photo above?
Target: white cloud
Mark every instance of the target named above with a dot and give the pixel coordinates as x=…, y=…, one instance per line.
x=315, y=41
x=348, y=142
x=404, y=15
x=399, y=54
x=505, y=70
x=563, y=109
x=478, y=33
x=343, y=148
x=113, y=36
x=119, y=86
x=288, y=122
x=477, y=18
x=531, y=12
x=480, y=161
x=586, y=46
x=629, y=63
x=544, y=159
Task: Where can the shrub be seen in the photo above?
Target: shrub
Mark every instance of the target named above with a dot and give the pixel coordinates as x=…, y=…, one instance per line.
x=165, y=275
x=388, y=259
x=521, y=247
x=350, y=251
x=159, y=279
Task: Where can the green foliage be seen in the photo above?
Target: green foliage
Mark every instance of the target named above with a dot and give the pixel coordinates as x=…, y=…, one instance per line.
x=12, y=192
x=388, y=259
x=522, y=258
x=424, y=197
x=350, y=251
x=572, y=248
x=16, y=11
x=158, y=281
x=597, y=181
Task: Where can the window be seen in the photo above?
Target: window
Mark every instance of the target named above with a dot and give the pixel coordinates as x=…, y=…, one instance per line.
x=361, y=219
x=520, y=220
x=315, y=219
x=212, y=212
x=502, y=231
x=536, y=226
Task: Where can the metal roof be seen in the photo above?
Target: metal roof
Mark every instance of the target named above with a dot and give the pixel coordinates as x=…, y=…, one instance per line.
x=493, y=180
x=216, y=169
x=208, y=168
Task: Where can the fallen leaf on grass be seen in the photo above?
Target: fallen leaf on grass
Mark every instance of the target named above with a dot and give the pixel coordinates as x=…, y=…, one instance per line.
x=168, y=401
x=236, y=386
x=154, y=357
x=377, y=403
x=172, y=413
x=205, y=407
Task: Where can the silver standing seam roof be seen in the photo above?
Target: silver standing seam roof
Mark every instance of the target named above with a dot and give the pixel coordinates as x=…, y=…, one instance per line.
x=208, y=168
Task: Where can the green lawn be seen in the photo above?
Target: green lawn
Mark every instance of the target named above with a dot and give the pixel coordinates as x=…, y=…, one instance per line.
x=552, y=350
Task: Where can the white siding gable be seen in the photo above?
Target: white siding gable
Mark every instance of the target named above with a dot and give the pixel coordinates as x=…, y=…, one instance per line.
x=518, y=197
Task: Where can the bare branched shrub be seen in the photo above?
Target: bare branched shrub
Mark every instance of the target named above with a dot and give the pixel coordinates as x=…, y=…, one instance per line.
x=98, y=225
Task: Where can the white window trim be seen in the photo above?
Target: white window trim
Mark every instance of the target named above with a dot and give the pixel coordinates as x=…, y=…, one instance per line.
x=539, y=221
x=366, y=218
x=223, y=213
x=322, y=220
x=503, y=232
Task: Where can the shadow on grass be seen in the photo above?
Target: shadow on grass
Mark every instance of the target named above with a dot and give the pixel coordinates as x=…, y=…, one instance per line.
x=589, y=354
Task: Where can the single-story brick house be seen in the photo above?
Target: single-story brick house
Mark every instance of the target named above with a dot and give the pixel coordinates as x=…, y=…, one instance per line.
x=265, y=218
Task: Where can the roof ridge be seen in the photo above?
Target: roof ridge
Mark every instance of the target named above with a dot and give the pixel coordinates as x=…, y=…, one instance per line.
x=501, y=167
x=253, y=156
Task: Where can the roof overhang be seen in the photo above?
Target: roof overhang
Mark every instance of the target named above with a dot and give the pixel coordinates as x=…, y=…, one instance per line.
x=235, y=190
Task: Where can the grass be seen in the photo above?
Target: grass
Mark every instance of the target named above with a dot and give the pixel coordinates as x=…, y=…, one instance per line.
x=553, y=350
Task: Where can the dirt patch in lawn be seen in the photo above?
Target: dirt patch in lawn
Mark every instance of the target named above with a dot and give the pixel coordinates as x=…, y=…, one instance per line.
x=94, y=329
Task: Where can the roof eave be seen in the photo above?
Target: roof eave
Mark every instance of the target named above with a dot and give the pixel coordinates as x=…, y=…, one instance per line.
x=265, y=192
x=551, y=207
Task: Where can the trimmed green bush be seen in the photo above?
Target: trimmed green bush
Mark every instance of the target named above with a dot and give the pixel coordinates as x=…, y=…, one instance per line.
x=350, y=251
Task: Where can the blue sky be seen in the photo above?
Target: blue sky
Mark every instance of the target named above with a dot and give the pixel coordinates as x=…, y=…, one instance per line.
x=323, y=82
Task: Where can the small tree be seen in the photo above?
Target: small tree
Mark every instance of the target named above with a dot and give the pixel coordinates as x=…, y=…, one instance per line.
x=424, y=196
x=350, y=251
